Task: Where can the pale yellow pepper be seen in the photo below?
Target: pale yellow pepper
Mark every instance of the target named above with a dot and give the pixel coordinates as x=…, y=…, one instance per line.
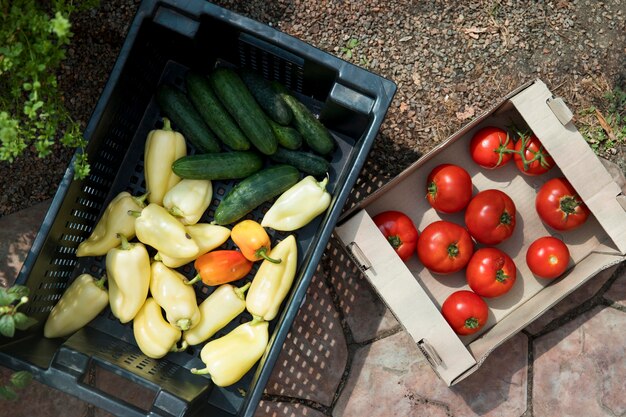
x=272, y=281
x=189, y=199
x=153, y=334
x=169, y=290
x=156, y=227
x=114, y=221
x=207, y=236
x=224, y=304
x=81, y=302
x=298, y=206
x=230, y=357
x=128, y=270
x=162, y=148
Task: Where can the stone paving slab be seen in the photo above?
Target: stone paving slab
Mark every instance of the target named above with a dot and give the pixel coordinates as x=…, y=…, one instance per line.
x=579, y=368
x=617, y=291
x=390, y=377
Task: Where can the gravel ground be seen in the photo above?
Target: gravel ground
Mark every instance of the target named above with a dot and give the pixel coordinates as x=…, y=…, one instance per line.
x=450, y=61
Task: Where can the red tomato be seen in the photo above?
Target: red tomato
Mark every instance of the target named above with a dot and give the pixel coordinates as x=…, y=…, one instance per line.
x=547, y=257
x=465, y=312
x=490, y=272
x=491, y=147
x=444, y=247
x=399, y=230
x=531, y=158
x=449, y=188
x=559, y=206
x=490, y=217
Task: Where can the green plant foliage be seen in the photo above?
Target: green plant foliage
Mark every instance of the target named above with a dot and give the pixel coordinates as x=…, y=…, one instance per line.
x=33, y=39
x=11, y=319
x=613, y=109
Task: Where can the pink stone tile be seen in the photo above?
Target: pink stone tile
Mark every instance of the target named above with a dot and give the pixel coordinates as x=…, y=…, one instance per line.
x=391, y=378
x=579, y=369
x=576, y=298
x=366, y=314
x=315, y=353
x=17, y=232
x=617, y=291
x=282, y=409
x=40, y=400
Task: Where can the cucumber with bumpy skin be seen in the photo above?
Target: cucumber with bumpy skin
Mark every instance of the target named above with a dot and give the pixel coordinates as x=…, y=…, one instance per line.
x=240, y=103
x=315, y=134
x=213, y=112
x=218, y=166
x=306, y=162
x=255, y=190
x=269, y=99
x=287, y=136
x=175, y=105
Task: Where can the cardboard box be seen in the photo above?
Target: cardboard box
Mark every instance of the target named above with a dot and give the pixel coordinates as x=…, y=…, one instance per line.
x=415, y=296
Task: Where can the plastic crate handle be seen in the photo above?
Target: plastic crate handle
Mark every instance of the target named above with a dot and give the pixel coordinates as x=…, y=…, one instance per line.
x=68, y=370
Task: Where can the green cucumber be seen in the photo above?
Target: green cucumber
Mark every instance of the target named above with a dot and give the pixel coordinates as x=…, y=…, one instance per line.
x=240, y=103
x=269, y=99
x=175, y=105
x=287, y=136
x=213, y=112
x=218, y=166
x=255, y=190
x=307, y=162
x=315, y=134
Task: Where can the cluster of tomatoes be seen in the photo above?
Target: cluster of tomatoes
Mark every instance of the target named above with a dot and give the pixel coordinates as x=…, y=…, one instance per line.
x=444, y=247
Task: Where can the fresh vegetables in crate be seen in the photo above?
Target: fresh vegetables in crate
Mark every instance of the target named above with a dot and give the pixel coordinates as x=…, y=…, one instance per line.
x=238, y=128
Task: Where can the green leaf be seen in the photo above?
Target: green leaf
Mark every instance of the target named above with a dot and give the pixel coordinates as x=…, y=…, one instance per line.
x=8, y=394
x=7, y=325
x=6, y=298
x=22, y=321
x=19, y=291
x=21, y=379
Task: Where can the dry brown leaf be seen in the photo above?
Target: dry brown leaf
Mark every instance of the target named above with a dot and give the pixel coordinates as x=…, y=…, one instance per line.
x=473, y=32
x=403, y=107
x=605, y=126
x=466, y=114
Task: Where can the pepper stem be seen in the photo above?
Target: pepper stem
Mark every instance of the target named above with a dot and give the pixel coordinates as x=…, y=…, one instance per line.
x=182, y=348
x=176, y=212
x=183, y=324
x=203, y=371
x=262, y=253
x=124, y=245
x=158, y=257
x=322, y=184
x=141, y=199
x=166, y=124
x=240, y=291
x=193, y=280
x=100, y=283
x=134, y=213
x=256, y=319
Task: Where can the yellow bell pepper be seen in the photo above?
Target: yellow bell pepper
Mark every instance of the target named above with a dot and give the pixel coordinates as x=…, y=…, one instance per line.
x=157, y=228
x=253, y=241
x=169, y=290
x=189, y=199
x=272, y=281
x=128, y=270
x=153, y=334
x=207, y=237
x=81, y=302
x=297, y=206
x=114, y=221
x=230, y=357
x=162, y=148
x=224, y=304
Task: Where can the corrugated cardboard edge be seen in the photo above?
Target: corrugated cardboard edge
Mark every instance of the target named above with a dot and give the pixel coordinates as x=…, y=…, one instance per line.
x=569, y=150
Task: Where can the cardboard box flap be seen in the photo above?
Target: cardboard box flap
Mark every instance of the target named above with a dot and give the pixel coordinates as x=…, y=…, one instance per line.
x=569, y=150
x=404, y=296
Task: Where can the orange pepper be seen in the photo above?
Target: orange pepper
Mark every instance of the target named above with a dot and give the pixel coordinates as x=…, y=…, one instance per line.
x=221, y=266
x=252, y=240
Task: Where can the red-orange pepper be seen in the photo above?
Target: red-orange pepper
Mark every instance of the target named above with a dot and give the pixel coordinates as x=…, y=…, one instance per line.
x=221, y=266
x=252, y=240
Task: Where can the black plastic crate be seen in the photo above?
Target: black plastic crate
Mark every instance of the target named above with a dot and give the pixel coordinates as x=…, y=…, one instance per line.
x=165, y=40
